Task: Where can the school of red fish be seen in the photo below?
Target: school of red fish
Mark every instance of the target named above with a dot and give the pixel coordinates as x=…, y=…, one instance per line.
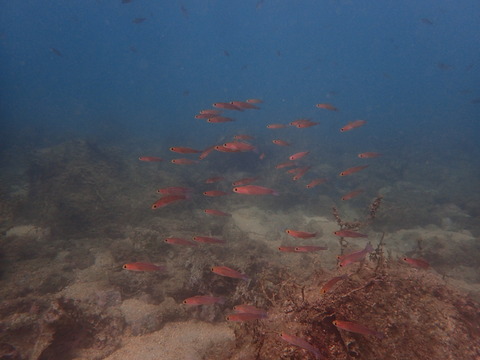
x=297, y=167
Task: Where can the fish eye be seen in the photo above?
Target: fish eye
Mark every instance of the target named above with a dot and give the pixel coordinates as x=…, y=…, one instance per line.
x=235, y=189
x=124, y=266
x=184, y=301
x=212, y=269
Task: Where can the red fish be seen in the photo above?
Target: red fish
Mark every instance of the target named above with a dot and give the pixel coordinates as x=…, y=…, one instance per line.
x=368, y=155
x=352, y=194
x=206, y=152
x=307, y=124
x=349, y=233
x=301, y=343
x=214, y=179
x=244, y=181
x=204, y=116
x=310, y=248
x=244, y=105
x=204, y=300
x=150, y=158
x=353, y=125
x=222, y=148
x=353, y=170
x=276, y=126
x=299, y=155
x=183, y=161
x=211, y=111
x=208, y=240
x=357, y=328
x=184, y=150
x=175, y=190
x=331, y=283
x=142, y=266
x=216, y=212
x=227, y=106
x=315, y=182
x=285, y=164
x=299, y=122
x=300, y=234
x=228, y=272
x=214, y=193
x=287, y=248
x=219, y=119
x=327, y=107
x=179, y=241
x=300, y=173
x=420, y=263
x=245, y=317
x=239, y=146
x=243, y=137
x=254, y=190
x=281, y=142
x=168, y=199
x=355, y=256
x=254, y=101
x=249, y=309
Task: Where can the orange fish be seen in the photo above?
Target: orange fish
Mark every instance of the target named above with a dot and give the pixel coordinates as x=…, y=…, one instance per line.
x=216, y=212
x=352, y=194
x=276, y=126
x=227, y=106
x=353, y=170
x=222, y=148
x=287, y=248
x=285, y=164
x=254, y=190
x=142, y=266
x=331, y=283
x=206, y=152
x=179, y=241
x=243, y=137
x=214, y=193
x=239, y=146
x=254, y=101
x=310, y=248
x=228, y=272
x=300, y=172
x=214, y=179
x=299, y=155
x=315, y=182
x=244, y=181
x=300, y=234
x=175, y=190
x=219, y=119
x=301, y=343
x=281, y=142
x=353, y=125
x=307, y=124
x=245, y=317
x=208, y=240
x=211, y=111
x=184, y=150
x=355, y=256
x=357, y=328
x=204, y=300
x=417, y=262
x=150, y=158
x=204, y=116
x=183, y=161
x=327, y=107
x=368, y=155
x=244, y=105
x=299, y=122
x=249, y=309
x=349, y=233
x=168, y=199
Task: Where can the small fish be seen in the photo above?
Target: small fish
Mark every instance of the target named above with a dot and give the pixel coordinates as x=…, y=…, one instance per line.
x=175, y=190
x=239, y=146
x=331, y=283
x=138, y=20
x=368, y=155
x=357, y=328
x=211, y=111
x=281, y=142
x=243, y=137
x=287, y=248
x=301, y=343
x=244, y=181
x=142, y=266
x=208, y=240
x=56, y=52
x=300, y=122
x=420, y=263
x=228, y=272
x=219, y=119
x=227, y=106
x=205, y=116
x=353, y=170
x=216, y=212
x=426, y=21
x=276, y=126
x=310, y=248
x=204, y=300
x=184, y=150
x=352, y=194
x=168, y=199
x=327, y=107
x=285, y=164
x=222, y=148
x=306, y=124
x=183, y=161
x=301, y=234
x=254, y=101
x=249, y=309
x=300, y=173
x=355, y=256
x=214, y=179
x=179, y=241
x=254, y=190
x=315, y=182
x=244, y=105
x=214, y=193
x=299, y=155
x=245, y=317
x=349, y=233
x=353, y=125
x=206, y=152
x=150, y=158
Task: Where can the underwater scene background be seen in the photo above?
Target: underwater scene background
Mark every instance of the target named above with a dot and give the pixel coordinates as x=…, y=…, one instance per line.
x=264, y=179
